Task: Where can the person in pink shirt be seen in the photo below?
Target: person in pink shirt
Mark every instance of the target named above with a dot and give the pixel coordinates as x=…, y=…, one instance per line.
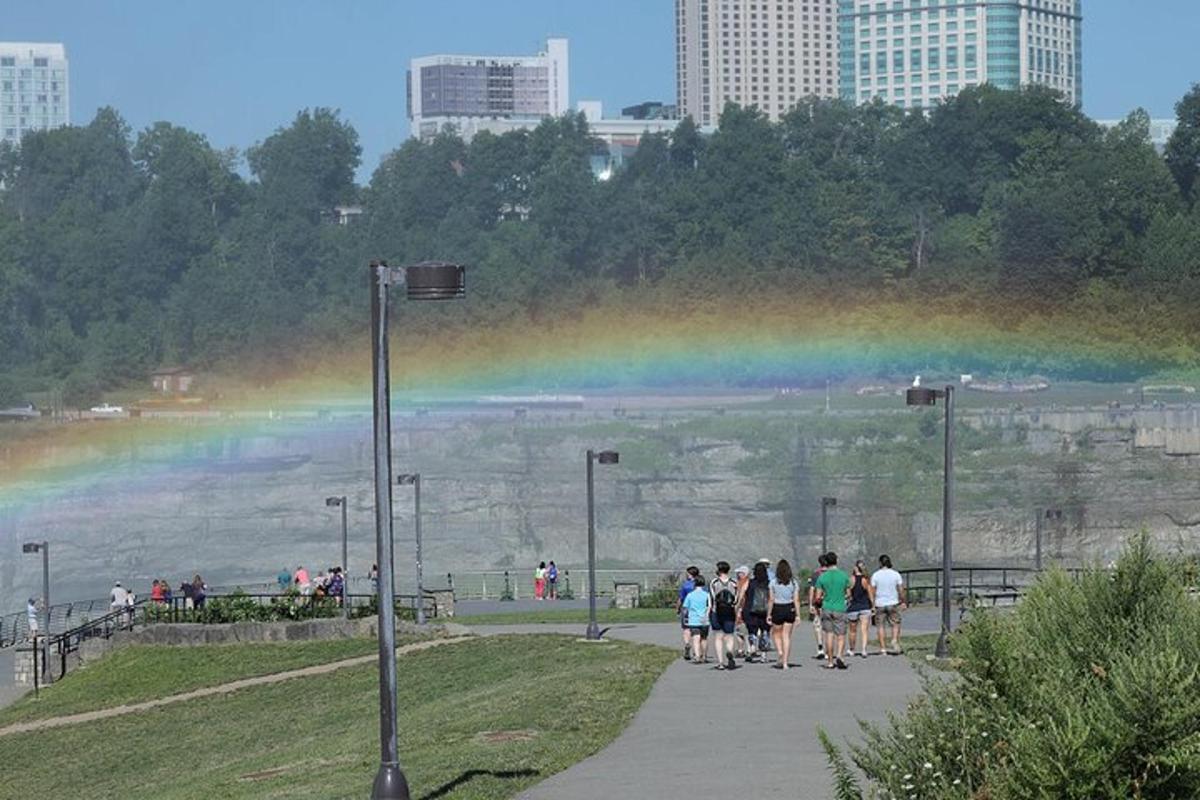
x=301, y=579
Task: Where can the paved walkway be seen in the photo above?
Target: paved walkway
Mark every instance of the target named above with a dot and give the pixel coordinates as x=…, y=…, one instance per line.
x=750, y=729
x=208, y=691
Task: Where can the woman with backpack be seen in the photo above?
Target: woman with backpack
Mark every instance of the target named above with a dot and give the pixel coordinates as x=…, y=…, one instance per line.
x=724, y=615
x=755, y=604
x=785, y=604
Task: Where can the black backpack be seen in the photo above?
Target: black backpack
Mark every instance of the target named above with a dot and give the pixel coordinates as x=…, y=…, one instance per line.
x=724, y=595
x=758, y=599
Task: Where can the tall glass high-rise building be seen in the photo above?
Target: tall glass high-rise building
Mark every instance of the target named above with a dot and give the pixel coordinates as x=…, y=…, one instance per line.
x=33, y=89
x=914, y=52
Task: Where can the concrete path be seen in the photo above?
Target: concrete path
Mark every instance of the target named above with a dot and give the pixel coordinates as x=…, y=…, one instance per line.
x=726, y=733
x=208, y=691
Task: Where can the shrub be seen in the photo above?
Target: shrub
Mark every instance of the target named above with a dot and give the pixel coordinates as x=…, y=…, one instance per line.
x=664, y=594
x=1088, y=690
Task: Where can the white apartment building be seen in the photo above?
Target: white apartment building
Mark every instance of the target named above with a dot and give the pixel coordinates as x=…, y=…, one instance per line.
x=33, y=89
x=914, y=52
x=769, y=54
x=470, y=93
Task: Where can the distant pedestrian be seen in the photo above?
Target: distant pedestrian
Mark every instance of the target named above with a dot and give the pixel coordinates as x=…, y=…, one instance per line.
x=31, y=614
x=756, y=606
x=785, y=603
x=284, y=579
x=117, y=597
x=814, y=606
x=891, y=598
x=337, y=585
x=833, y=587
x=168, y=595
x=724, y=615
x=685, y=588
x=698, y=606
x=156, y=592
x=199, y=591
x=302, y=580
x=189, y=599
x=373, y=577
x=859, y=611
x=539, y=581
x=552, y=581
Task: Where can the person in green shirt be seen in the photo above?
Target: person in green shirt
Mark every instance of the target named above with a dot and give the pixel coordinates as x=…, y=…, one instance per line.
x=832, y=591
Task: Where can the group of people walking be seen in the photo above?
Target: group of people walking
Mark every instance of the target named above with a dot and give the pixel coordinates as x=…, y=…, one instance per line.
x=325, y=584
x=752, y=612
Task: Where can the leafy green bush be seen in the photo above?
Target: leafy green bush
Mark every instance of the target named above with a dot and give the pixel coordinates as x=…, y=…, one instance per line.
x=664, y=594
x=1089, y=690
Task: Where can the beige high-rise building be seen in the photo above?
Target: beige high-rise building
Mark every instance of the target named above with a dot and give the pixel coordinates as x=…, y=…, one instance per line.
x=769, y=54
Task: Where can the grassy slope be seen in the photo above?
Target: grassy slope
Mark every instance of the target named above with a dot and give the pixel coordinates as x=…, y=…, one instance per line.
x=317, y=737
x=134, y=674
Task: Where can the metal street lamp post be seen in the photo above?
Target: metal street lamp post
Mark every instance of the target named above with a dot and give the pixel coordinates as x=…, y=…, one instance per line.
x=425, y=281
x=415, y=480
x=44, y=549
x=1042, y=514
x=918, y=396
x=334, y=502
x=826, y=504
x=604, y=457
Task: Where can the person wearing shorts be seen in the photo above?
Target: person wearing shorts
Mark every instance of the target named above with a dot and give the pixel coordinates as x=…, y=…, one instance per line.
x=890, y=600
x=755, y=605
x=685, y=588
x=858, y=612
x=784, y=594
x=698, y=605
x=724, y=591
x=832, y=590
x=814, y=607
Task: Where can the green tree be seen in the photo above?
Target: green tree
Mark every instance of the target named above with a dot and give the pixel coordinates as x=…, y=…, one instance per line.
x=1183, y=148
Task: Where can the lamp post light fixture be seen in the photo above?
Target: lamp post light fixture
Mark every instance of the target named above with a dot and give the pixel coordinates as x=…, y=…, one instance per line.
x=1041, y=515
x=336, y=502
x=44, y=549
x=919, y=396
x=603, y=457
x=414, y=480
x=826, y=504
x=425, y=281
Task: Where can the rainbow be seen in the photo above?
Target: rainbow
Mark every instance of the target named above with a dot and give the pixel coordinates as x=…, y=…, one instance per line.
x=773, y=341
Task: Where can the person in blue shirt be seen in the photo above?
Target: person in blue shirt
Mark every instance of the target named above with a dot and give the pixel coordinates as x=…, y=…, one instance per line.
x=284, y=579
x=685, y=588
x=697, y=607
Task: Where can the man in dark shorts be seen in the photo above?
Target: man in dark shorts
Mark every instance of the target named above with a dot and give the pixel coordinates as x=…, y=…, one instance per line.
x=698, y=606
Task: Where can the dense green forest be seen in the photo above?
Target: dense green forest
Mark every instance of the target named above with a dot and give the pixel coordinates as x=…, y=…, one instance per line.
x=122, y=251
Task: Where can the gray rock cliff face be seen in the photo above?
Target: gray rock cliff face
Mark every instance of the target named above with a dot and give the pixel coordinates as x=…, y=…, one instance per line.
x=505, y=493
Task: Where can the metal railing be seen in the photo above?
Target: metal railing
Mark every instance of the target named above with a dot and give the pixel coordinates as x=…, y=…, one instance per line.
x=970, y=582
x=305, y=606
x=517, y=584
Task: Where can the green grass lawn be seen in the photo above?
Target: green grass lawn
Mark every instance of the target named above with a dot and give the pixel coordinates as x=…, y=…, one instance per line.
x=479, y=720
x=134, y=674
x=606, y=616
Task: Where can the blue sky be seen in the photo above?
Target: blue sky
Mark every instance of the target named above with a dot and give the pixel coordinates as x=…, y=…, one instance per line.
x=237, y=69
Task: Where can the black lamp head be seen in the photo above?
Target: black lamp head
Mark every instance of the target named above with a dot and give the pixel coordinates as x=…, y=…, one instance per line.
x=333, y=502
x=608, y=457
x=435, y=280
x=919, y=396
x=829, y=501
x=407, y=479
x=30, y=547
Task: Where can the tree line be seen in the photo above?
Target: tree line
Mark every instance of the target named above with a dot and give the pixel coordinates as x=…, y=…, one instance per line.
x=120, y=251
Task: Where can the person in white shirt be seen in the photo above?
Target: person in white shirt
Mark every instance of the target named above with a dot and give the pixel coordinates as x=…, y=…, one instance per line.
x=890, y=599
x=31, y=612
x=119, y=597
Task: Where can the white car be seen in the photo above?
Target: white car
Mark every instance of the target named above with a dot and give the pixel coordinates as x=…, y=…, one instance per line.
x=105, y=410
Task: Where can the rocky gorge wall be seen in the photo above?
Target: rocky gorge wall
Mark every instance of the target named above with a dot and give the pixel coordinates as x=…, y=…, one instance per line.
x=505, y=492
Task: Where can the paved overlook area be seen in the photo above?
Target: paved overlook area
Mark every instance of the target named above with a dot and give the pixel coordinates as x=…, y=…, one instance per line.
x=724, y=732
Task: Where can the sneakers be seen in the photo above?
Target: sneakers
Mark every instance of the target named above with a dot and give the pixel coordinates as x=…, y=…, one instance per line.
x=687, y=653
x=840, y=664
x=729, y=663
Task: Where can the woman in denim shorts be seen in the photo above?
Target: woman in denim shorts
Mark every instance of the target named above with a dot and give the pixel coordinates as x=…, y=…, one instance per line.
x=858, y=612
